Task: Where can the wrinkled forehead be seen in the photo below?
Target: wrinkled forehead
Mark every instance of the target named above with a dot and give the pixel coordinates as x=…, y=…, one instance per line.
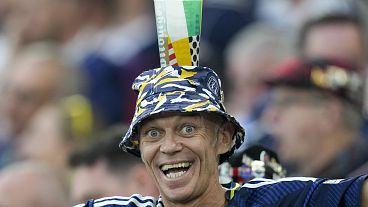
x=172, y=115
x=183, y=116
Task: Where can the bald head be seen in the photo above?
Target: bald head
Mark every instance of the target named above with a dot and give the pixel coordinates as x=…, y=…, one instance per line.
x=32, y=185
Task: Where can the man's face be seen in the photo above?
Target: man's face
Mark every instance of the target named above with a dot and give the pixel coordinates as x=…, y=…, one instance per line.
x=180, y=152
x=297, y=123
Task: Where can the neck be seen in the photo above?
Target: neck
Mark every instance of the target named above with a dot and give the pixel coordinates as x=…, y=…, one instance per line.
x=214, y=196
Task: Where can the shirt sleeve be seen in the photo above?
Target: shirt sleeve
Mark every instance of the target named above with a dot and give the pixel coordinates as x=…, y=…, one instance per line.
x=88, y=204
x=135, y=200
x=300, y=191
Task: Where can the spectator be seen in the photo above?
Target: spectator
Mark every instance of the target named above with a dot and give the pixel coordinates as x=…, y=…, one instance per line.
x=250, y=58
x=35, y=76
x=58, y=127
x=316, y=117
x=101, y=169
x=337, y=35
x=31, y=184
x=182, y=133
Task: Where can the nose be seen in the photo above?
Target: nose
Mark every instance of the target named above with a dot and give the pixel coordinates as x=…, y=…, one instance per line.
x=272, y=118
x=272, y=114
x=171, y=144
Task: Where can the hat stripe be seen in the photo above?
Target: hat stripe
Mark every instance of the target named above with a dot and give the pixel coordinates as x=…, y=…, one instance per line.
x=161, y=101
x=196, y=106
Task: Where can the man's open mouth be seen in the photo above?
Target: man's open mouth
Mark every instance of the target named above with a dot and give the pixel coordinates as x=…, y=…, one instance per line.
x=176, y=170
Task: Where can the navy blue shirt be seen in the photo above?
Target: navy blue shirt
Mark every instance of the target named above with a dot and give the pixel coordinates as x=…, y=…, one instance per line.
x=298, y=191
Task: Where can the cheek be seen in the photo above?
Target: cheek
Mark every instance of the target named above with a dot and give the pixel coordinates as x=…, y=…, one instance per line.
x=204, y=148
x=295, y=119
x=298, y=127
x=148, y=151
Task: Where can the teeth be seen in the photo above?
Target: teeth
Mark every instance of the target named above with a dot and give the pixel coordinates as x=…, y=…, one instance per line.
x=175, y=175
x=176, y=165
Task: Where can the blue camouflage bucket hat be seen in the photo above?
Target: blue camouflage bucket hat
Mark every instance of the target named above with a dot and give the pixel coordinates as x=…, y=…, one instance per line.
x=178, y=89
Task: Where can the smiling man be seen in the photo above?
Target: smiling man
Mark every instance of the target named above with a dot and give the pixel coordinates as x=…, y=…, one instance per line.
x=180, y=152
x=182, y=133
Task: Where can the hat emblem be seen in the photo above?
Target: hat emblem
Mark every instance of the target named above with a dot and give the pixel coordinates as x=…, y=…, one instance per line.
x=213, y=85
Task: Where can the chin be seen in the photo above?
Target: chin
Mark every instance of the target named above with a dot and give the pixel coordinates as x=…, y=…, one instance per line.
x=179, y=192
x=179, y=195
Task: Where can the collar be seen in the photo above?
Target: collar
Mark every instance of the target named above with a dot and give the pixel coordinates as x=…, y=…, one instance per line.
x=229, y=194
x=230, y=190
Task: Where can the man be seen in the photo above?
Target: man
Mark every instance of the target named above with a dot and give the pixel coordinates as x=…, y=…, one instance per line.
x=337, y=35
x=250, y=58
x=58, y=129
x=100, y=170
x=182, y=132
x=32, y=184
x=316, y=117
x=35, y=76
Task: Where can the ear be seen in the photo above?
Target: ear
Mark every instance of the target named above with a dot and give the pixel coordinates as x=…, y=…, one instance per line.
x=225, y=137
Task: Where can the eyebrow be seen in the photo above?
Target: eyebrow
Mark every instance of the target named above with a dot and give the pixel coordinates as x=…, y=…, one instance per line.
x=153, y=119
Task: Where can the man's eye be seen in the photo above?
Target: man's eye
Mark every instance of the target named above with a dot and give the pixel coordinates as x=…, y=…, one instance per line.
x=187, y=130
x=153, y=133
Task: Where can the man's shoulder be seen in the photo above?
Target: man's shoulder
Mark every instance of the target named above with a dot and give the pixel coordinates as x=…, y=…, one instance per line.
x=266, y=183
x=276, y=188
x=118, y=201
x=299, y=191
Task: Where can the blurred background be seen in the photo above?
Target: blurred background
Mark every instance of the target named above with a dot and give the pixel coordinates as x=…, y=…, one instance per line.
x=66, y=69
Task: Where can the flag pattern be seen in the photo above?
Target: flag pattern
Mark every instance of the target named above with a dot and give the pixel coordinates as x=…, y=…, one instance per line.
x=179, y=28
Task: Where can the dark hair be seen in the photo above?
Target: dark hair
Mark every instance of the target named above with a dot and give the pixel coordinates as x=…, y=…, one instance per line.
x=105, y=147
x=336, y=18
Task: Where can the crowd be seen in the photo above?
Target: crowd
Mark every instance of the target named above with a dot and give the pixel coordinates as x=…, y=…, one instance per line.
x=294, y=74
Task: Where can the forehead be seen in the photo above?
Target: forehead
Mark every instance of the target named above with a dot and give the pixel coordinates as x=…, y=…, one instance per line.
x=335, y=36
x=172, y=116
x=284, y=93
x=281, y=91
